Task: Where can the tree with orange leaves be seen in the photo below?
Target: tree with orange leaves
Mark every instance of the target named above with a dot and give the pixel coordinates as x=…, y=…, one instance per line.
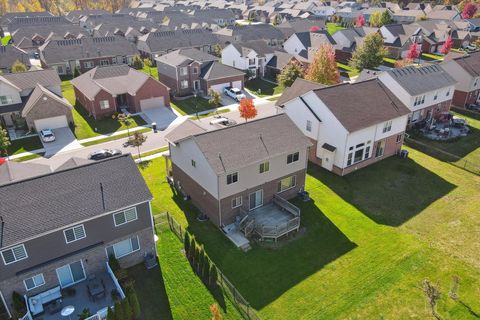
x=247, y=109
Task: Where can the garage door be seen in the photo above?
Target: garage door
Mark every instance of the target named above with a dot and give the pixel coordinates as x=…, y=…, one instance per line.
x=237, y=84
x=151, y=103
x=219, y=87
x=51, y=123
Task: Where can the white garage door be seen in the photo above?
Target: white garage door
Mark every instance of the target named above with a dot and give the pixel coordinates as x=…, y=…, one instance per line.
x=51, y=123
x=152, y=103
x=237, y=84
x=219, y=87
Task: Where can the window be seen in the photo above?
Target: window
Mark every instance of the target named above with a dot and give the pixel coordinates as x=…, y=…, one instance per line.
x=387, y=126
x=34, y=282
x=123, y=248
x=264, y=166
x=74, y=234
x=194, y=164
x=309, y=126
x=358, y=156
x=14, y=254
x=60, y=70
x=195, y=70
x=183, y=71
x=71, y=273
x=232, y=178
x=419, y=100
x=88, y=64
x=349, y=159
x=6, y=100
x=104, y=104
x=399, y=138
x=184, y=84
x=236, y=202
x=292, y=157
x=358, y=153
x=286, y=183
x=380, y=148
x=104, y=62
x=125, y=216
x=251, y=62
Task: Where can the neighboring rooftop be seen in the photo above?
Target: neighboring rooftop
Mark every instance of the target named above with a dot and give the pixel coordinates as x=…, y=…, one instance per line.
x=216, y=70
x=43, y=203
x=28, y=80
x=298, y=88
x=13, y=171
x=178, y=57
x=470, y=62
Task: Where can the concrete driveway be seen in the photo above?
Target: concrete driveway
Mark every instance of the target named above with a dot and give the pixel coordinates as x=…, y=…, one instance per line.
x=163, y=116
x=64, y=141
x=226, y=100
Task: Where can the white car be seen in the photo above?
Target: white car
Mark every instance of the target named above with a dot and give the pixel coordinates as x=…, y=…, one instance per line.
x=47, y=135
x=234, y=93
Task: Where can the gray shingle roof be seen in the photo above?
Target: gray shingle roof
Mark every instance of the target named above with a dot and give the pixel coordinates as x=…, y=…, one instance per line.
x=9, y=54
x=471, y=63
x=177, y=57
x=298, y=88
x=43, y=203
x=14, y=171
x=39, y=92
x=28, y=80
x=178, y=39
x=216, y=70
x=423, y=79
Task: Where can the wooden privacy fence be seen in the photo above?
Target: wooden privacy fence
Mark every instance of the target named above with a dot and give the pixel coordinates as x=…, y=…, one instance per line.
x=228, y=288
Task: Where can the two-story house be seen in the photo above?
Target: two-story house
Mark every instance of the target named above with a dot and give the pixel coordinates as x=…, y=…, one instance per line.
x=241, y=167
x=465, y=69
x=32, y=101
x=301, y=43
x=399, y=37
x=350, y=125
x=59, y=229
x=188, y=71
x=252, y=56
x=427, y=91
x=11, y=54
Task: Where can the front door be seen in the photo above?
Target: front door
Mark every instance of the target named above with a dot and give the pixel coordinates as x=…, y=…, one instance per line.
x=121, y=101
x=196, y=85
x=255, y=199
x=327, y=160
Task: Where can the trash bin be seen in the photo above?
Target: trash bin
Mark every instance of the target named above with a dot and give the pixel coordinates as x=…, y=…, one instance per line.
x=154, y=126
x=404, y=154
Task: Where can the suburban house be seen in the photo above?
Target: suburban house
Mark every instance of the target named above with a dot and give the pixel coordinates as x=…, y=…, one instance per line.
x=280, y=60
x=269, y=34
x=347, y=40
x=155, y=44
x=300, y=25
x=465, y=69
x=32, y=101
x=350, y=125
x=57, y=236
x=104, y=91
x=9, y=55
x=427, y=91
x=86, y=53
x=252, y=56
x=300, y=43
x=234, y=172
x=399, y=37
x=187, y=71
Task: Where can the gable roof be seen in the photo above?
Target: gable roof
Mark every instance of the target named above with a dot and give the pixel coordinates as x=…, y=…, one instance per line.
x=14, y=171
x=72, y=163
x=423, y=79
x=216, y=70
x=29, y=79
x=115, y=79
x=314, y=39
x=43, y=203
x=298, y=88
x=361, y=104
x=178, y=57
x=183, y=131
x=171, y=40
x=470, y=63
x=37, y=93
x=9, y=54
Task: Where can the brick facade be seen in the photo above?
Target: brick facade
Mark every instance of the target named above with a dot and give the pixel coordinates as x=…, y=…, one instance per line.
x=47, y=108
x=461, y=98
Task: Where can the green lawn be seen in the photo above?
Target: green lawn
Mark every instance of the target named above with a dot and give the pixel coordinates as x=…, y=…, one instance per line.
x=345, y=68
x=267, y=88
x=115, y=137
x=369, y=241
x=85, y=125
x=432, y=57
x=206, y=115
x=5, y=40
x=151, y=152
x=389, y=62
x=29, y=157
x=333, y=27
x=150, y=71
x=24, y=145
x=191, y=105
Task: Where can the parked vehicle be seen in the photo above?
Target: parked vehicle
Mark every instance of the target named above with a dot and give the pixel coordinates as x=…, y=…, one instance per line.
x=234, y=93
x=104, y=153
x=47, y=135
x=36, y=55
x=474, y=107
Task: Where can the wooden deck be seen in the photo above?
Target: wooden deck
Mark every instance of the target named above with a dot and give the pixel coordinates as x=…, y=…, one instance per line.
x=270, y=215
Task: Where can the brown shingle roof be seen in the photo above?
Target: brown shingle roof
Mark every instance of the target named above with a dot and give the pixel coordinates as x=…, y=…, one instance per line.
x=28, y=80
x=471, y=63
x=298, y=88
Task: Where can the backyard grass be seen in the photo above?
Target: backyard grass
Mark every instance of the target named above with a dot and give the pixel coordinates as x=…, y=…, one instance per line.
x=369, y=240
x=333, y=27
x=345, y=68
x=432, y=57
x=266, y=88
x=152, y=71
x=85, y=125
x=191, y=105
x=115, y=137
x=24, y=145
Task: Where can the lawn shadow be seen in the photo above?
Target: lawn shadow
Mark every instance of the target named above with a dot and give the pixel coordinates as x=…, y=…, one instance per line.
x=151, y=292
x=266, y=88
x=262, y=275
x=389, y=192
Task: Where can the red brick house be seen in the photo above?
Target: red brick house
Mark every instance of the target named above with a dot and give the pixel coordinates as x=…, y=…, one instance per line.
x=103, y=91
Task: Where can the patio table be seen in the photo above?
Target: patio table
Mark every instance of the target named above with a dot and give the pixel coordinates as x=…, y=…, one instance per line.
x=95, y=288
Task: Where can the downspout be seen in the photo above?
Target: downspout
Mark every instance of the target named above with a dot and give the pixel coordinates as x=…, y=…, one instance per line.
x=218, y=199
x=345, y=149
x=153, y=228
x=5, y=304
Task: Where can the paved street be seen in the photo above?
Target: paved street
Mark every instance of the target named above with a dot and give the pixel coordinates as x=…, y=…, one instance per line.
x=154, y=141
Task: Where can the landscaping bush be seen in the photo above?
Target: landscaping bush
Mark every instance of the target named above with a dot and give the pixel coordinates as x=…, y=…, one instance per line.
x=113, y=262
x=133, y=299
x=19, y=306
x=110, y=314
x=186, y=245
x=118, y=311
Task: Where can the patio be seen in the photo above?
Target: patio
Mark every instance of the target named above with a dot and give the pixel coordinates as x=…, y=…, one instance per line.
x=446, y=128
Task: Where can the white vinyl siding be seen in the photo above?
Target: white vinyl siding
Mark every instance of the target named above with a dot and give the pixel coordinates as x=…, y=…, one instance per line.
x=14, y=254
x=74, y=234
x=125, y=216
x=123, y=248
x=34, y=282
x=264, y=167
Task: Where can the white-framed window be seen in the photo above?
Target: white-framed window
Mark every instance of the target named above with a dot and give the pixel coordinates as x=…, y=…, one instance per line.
x=420, y=100
x=14, y=254
x=183, y=71
x=309, y=126
x=287, y=183
x=60, y=70
x=125, y=216
x=104, y=104
x=194, y=164
x=71, y=273
x=232, y=178
x=74, y=233
x=236, y=202
x=387, y=126
x=264, y=167
x=399, y=138
x=6, y=100
x=293, y=157
x=184, y=84
x=358, y=153
x=34, y=282
x=251, y=62
x=123, y=248
x=380, y=148
x=104, y=62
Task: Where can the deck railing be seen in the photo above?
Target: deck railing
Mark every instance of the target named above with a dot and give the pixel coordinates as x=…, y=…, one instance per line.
x=275, y=232
x=286, y=205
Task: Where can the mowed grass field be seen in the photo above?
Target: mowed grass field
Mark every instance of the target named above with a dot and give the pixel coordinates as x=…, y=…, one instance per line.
x=368, y=241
